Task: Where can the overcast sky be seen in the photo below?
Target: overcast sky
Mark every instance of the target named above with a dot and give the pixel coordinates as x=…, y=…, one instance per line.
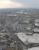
x=19, y=3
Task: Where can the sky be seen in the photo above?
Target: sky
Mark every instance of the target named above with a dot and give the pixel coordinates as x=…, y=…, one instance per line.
x=19, y=3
